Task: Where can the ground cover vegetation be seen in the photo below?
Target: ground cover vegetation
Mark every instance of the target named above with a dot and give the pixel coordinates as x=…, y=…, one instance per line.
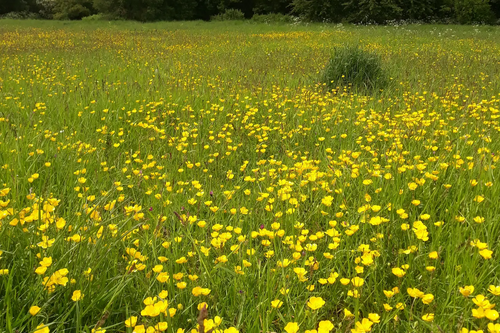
x=197, y=177
x=345, y=11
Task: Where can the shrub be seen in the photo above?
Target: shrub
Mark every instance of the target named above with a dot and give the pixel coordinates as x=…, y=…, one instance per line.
x=230, y=15
x=71, y=9
x=95, y=17
x=473, y=11
x=46, y=9
x=20, y=16
x=273, y=18
x=77, y=12
x=356, y=68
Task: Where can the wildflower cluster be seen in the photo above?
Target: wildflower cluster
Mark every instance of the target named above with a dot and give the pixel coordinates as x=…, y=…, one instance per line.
x=149, y=178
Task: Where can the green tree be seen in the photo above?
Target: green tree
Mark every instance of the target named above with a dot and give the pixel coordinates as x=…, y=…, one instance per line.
x=473, y=11
x=72, y=9
x=12, y=6
x=378, y=11
x=272, y=6
x=148, y=10
x=110, y=8
x=318, y=10
x=495, y=8
x=419, y=9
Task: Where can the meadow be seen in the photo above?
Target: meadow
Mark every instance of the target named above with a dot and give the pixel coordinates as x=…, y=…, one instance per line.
x=155, y=177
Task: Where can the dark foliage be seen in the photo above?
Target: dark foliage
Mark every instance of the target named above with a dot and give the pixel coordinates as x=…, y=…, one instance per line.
x=354, y=11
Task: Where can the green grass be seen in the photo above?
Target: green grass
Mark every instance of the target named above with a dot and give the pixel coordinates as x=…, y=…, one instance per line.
x=141, y=130
x=355, y=68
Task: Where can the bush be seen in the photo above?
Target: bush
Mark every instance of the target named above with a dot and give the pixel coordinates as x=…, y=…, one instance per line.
x=46, y=9
x=273, y=18
x=473, y=11
x=356, y=68
x=230, y=15
x=71, y=9
x=21, y=16
x=95, y=17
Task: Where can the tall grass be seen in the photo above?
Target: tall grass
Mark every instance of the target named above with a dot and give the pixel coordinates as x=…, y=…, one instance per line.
x=355, y=68
x=154, y=168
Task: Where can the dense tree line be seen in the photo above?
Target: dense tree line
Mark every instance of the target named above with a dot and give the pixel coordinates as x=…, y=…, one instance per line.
x=355, y=11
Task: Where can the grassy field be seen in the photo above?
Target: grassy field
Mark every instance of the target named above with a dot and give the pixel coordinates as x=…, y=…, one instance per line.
x=149, y=172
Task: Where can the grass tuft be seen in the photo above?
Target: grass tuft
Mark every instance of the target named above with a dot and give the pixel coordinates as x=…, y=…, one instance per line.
x=356, y=68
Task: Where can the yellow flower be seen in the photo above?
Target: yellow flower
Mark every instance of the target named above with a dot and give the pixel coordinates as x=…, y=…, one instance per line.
x=196, y=291
x=42, y=328
x=77, y=295
x=481, y=301
x=325, y=326
x=493, y=328
x=363, y=326
x=486, y=254
x=139, y=329
x=478, y=313
x=41, y=270
x=99, y=330
x=374, y=317
x=292, y=327
x=479, y=219
x=357, y=281
x=495, y=290
x=327, y=201
x=467, y=290
x=412, y=186
x=46, y=262
x=433, y=255
x=161, y=326
x=34, y=310
x=181, y=260
x=345, y=281
x=348, y=314
x=163, y=277
x=414, y=292
x=131, y=322
x=315, y=303
x=46, y=242
x=428, y=317
x=276, y=304
x=491, y=314
x=377, y=220
x=158, y=268
x=427, y=299
x=231, y=330
x=398, y=272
